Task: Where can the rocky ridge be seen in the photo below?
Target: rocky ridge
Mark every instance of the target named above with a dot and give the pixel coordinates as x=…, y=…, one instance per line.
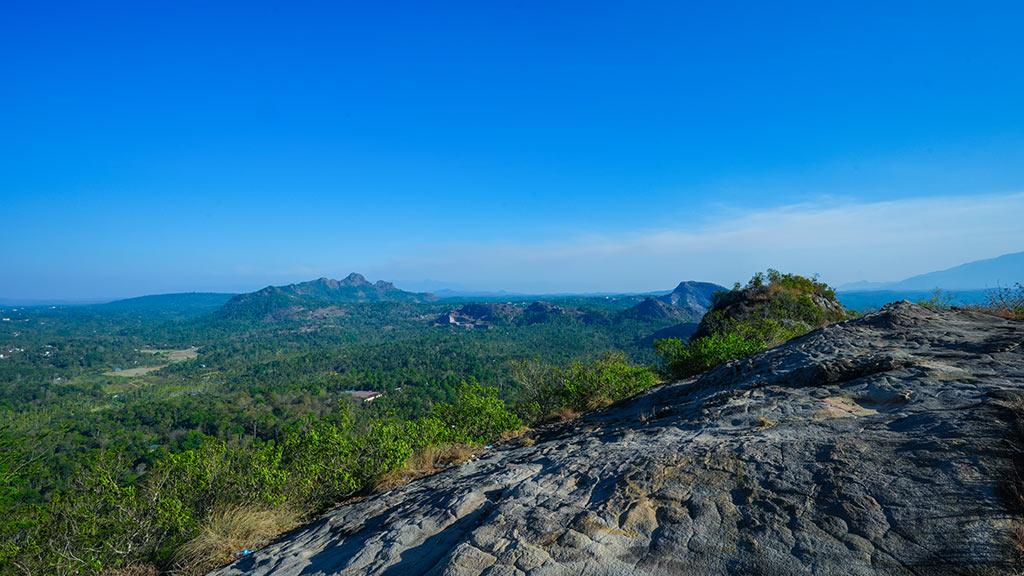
x=889, y=444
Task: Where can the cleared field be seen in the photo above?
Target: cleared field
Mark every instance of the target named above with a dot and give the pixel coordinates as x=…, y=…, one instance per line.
x=173, y=355
x=169, y=356
x=131, y=372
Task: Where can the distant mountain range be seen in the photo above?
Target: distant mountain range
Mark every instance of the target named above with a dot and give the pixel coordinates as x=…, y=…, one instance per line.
x=278, y=302
x=1004, y=270
x=184, y=304
x=866, y=300
x=327, y=297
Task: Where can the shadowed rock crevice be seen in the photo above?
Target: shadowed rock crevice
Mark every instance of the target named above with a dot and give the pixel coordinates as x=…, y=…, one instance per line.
x=890, y=444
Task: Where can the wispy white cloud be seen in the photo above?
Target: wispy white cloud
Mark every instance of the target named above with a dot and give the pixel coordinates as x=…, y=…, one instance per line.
x=842, y=241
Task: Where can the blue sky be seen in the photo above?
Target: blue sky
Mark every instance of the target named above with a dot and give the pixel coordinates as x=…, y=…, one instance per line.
x=165, y=146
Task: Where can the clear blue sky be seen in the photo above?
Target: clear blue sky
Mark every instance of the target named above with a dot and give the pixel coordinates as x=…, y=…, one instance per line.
x=176, y=145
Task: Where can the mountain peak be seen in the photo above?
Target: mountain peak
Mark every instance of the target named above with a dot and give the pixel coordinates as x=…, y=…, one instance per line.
x=690, y=300
x=355, y=279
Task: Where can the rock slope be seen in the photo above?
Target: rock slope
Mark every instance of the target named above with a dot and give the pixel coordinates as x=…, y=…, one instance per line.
x=889, y=444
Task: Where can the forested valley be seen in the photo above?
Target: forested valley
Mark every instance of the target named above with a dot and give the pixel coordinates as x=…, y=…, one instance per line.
x=125, y=428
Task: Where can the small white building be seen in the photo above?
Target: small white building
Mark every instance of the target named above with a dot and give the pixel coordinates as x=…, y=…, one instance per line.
x=365, y=395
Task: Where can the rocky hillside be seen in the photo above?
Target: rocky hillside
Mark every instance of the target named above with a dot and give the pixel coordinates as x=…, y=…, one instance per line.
x=890, y=444
x=688, y=302
x=322, y=296
x=695, y=297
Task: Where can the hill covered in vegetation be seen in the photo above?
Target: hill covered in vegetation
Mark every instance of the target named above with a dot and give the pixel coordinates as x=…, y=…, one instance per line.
x=773, y=307
x=179, y=305
x=316, y=297
x=694, y=297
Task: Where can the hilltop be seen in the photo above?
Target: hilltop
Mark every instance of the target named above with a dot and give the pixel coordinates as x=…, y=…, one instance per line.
x=295, y=300
x=695, y=297
x=889, y=444
x=772, y=307
x=687, y=302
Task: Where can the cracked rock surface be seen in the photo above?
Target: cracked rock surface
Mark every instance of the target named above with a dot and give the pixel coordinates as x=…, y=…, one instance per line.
x=883, y=445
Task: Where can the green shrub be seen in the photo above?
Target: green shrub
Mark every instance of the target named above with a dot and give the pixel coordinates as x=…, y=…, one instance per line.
x=102, y=517
x=320, y=461
x=683, y=360
x=582, y=386
x=429, y=431
x=477, y=415
x=611, y=378
x=385, y=447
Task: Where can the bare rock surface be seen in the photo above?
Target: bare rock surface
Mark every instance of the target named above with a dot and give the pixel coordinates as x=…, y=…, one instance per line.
x=883, y=445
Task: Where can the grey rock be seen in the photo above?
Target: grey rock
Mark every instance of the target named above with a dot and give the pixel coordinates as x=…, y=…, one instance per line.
x=884, y=445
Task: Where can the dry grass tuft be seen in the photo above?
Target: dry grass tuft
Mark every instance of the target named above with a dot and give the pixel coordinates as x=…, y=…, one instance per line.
x=426, y=462
x=565, y=415
x=434, y=458
x=510, y=435
x=1015, y=314
x=527, y=440
x=228, y=531
x=133, y=570
x=1005, y=302
x=998, y=311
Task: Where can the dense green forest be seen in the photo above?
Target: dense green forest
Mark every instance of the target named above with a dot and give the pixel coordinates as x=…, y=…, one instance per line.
x=97, y=401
